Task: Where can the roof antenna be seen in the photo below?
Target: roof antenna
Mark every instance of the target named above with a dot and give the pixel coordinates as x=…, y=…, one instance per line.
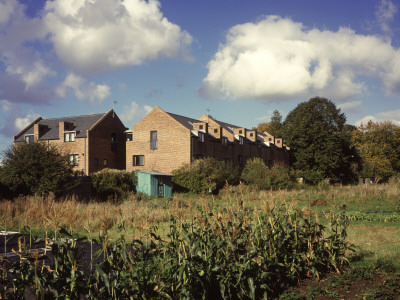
x=114, y=102
x=208, y=112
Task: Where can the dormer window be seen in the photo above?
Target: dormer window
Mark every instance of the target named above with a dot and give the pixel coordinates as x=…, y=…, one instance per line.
x=201, y=137
x=29, y=138
x=200, y=127
x=270, y=139
x=240, y=131
x=251, y=134
x=215, y=130
x=69, y=136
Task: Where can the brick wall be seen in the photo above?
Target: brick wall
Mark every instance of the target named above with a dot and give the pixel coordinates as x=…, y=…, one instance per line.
x=173, y=143
x=103, y=153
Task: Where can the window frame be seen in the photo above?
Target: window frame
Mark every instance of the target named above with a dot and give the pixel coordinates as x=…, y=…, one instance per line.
x=29, y=138
x=202, y=136
x=71, y=136
x=138, y=160
x=74, y=160
x=153, y=140
x=241, y=140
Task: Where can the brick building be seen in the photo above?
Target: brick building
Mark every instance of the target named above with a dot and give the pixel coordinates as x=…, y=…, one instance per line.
x=93, y=142
x=164, y=141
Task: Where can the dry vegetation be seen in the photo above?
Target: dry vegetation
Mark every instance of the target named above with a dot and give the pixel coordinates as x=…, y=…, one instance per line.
x=375, y=238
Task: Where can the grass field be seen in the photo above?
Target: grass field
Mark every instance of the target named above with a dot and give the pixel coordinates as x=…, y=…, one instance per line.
x=374, y=213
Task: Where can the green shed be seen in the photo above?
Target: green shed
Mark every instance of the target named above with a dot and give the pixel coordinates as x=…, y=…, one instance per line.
x=154, y=183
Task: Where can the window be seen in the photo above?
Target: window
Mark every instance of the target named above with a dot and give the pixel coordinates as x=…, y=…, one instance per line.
x=29, y=138
x=74, y=159
x=251, y=134
x=241, y=140
x=225, y=141
x=129, y=136
x=113, y=142
x=105, y=162
x=201, y=137
x=240, y=131
x=138, y=160
x=269, y=139
x=69, y=136
x=240, y=160
x=96, y=161
x=215, y=130
x=200, y=127
x=153, y=140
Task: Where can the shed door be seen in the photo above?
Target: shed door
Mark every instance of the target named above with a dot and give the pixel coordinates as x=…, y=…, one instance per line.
x=160, y=187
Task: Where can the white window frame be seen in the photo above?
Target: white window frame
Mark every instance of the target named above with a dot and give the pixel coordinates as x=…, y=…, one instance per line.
x=29, y=138
x=69, y=136
x=201, y=136
x=74, y=159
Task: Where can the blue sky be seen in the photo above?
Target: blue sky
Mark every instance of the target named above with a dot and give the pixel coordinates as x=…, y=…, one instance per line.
x=238, y=59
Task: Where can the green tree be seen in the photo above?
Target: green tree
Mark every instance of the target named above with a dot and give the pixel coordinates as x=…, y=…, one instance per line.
x=204, y=175
x=274, y=127
x=378, y=144
x=314, y=130
x=35, y=168
x=278, y=177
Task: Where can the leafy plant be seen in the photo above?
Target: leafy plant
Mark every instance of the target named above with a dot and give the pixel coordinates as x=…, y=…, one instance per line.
x=204, y=175
x=110, y=183
x=277, y=177
x=35, y=168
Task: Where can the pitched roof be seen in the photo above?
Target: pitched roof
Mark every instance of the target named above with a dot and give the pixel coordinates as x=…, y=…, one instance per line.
x=185, y=121
x=80, y=125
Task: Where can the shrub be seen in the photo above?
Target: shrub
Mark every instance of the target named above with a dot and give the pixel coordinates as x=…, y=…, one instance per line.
x=277, y=177
x=204, y=175
x=35, y=168
x=112, y=183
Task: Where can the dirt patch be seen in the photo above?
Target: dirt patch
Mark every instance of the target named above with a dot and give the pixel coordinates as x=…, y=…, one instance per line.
x=353, y=284
x=320, y=202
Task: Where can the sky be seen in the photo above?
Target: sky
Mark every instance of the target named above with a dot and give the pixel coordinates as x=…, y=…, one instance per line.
x=234, y=59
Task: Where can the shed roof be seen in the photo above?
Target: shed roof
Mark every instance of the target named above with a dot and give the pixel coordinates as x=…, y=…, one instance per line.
x=154, y=173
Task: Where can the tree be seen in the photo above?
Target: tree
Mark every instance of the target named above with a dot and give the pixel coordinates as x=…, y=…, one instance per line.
x=35, y=168
x=314, y=130
x=378, y=144
x=274, y=127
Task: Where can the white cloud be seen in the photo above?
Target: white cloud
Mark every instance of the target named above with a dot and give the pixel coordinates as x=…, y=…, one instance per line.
x=393, y=116
x=6, y=105
x=82, y=89
x=21, y=122
x=385, y=13
x=278, y=58
x=134, y=113
x=351, y=107
x=95, y=36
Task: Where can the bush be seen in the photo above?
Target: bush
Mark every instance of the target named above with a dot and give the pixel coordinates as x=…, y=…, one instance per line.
x=35, y=169
x=204, y=175
x=112, y=183
x=278, y=177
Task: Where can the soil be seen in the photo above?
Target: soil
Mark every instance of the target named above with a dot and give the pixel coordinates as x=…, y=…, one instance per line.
x=352, y=284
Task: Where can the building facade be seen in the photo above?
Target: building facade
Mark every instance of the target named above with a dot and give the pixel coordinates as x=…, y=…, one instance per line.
x=163, y=141
x=93, y=142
